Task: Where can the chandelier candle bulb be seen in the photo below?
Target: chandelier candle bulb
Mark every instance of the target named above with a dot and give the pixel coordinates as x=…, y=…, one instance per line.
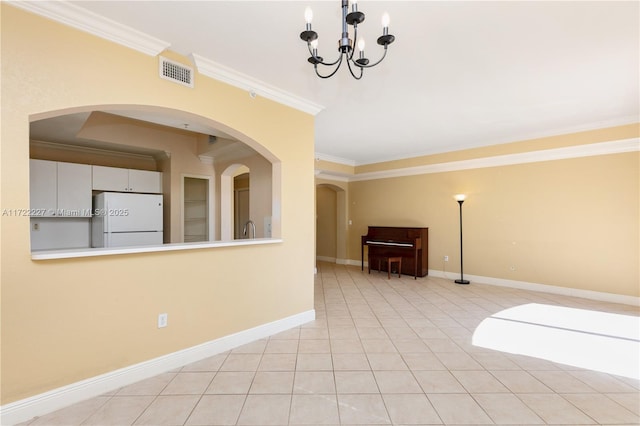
x=385, y=24
x=354, y=6
x=308, y=15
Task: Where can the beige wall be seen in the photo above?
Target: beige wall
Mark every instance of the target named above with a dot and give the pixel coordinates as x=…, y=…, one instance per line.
x=68, y=320
x=571, y=223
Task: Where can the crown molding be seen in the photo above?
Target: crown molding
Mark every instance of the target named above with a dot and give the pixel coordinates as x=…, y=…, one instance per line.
x=82, y=149
x=577, y=151
x=84, y=20
x=321, y=174
x=253, y=86
x=205, y=159
x=332, y=159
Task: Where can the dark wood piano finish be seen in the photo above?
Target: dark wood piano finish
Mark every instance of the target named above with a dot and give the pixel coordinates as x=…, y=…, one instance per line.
x=412, y=244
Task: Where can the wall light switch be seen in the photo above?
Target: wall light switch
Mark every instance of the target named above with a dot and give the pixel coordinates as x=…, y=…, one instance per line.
x=163, y=320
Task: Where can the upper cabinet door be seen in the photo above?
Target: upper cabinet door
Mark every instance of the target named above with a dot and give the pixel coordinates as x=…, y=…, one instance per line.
x=74, y=189
x=43, y=187
x=145, y=181
x=110, y=179
x=59, y=189
x=126, y=180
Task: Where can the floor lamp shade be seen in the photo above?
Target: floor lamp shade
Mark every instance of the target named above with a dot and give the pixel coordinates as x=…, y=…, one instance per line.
x=460, y=199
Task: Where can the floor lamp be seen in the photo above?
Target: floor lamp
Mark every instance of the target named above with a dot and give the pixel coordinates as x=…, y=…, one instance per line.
x=460, y=199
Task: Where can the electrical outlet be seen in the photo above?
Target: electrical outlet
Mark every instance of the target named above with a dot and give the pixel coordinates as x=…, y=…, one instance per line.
x=163, y=320
x=446, y=258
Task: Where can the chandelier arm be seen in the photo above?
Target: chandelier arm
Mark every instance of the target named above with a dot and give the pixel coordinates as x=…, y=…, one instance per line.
x=339, y=62
x=355, y=40
x=351, y=70
x=322, y=62
x=376, y=63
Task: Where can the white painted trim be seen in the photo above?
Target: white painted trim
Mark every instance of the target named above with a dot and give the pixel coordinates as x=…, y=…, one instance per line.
x=352, y=262
x=326, y=259
x=589, y=150
x=205, y=159
x=71, y=253
x=524, y=285
x=544, y=288
x=577, y=151
x=332, y=159
x=252, y=85
x=320, y=174
x=483, y=143
x=26, y=409
x=342, y=261
x=90, y=150
x=92, y=23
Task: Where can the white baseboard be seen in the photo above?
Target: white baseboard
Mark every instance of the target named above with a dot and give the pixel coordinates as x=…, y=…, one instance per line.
x=524, y=285
x=26, y=409
x=355, y=262
x=545, y=288
x=335, y=260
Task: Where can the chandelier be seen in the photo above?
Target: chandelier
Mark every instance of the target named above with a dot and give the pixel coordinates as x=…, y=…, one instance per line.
x=345, y=44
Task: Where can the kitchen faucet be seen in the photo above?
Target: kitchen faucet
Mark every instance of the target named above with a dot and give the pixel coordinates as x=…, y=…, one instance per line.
x=253, y=228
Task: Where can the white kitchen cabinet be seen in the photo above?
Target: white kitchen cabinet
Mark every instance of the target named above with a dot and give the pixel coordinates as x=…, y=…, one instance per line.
x=126, y=180
x=59, y=189
x=43, y=186
x=145, y=181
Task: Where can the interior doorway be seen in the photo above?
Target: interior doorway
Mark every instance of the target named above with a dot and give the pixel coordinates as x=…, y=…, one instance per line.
x=331, y=224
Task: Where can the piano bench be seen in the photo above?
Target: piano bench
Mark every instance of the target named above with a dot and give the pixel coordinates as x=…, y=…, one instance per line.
x=391, y=260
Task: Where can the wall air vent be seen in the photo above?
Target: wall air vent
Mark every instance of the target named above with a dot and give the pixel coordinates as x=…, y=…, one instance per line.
x=176, y=72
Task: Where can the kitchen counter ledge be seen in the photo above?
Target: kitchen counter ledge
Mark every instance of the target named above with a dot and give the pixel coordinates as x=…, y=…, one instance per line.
x=91, y=252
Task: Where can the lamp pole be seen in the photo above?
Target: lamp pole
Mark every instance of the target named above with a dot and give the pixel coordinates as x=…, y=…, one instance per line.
x=460, y=199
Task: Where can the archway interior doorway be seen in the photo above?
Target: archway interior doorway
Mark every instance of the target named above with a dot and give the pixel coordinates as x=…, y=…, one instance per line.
x=331, y=223
x=326, y=223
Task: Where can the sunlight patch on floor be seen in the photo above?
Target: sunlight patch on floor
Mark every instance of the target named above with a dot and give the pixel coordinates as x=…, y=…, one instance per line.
x=582, y=338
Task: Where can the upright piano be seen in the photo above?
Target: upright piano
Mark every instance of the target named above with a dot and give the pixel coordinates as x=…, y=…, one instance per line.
x=412, y=244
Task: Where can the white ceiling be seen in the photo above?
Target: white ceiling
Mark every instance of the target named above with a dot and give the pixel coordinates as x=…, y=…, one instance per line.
x=460, y=74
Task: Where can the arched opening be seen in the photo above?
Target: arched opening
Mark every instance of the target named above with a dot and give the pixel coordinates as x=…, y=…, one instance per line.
x=169, y=145
x=331, y=223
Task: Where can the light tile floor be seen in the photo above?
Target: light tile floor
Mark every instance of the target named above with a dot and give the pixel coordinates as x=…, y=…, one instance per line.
x=381, y=351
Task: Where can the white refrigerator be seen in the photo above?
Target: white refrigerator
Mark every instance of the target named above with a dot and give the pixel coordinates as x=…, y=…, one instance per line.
x=126, y=219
